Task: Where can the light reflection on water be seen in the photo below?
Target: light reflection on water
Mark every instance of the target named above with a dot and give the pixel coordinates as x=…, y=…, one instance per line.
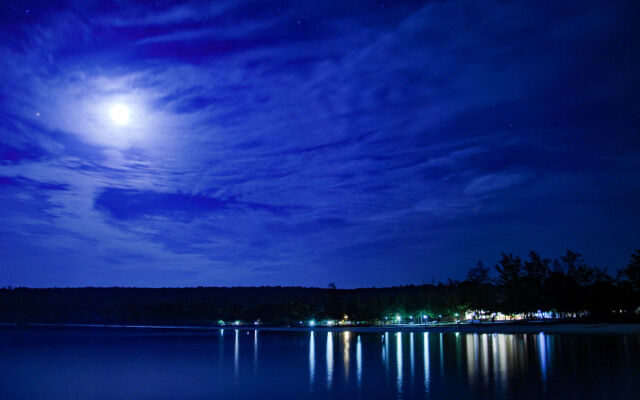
x=399, y=363
x=471, y=365
x=345, y=352
x=425, y=360
x=542, y=344
x=329, y=359
x=255, y=349
x=484, y=355
x=411, y=354
x=312, y=358
x=359, y=361
x=467, y=365
x=236, y=355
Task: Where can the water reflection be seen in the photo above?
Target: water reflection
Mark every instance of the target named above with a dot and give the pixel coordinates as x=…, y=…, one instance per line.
x=190, y=365
x=345, y=353
x=221, y=347
x=411, y=351
x=494, y=352
x=502, y=360
x=329, y=359
x=359, y=361
x=470, y=357
x=441, y=355
x=484, y=355
x=542, y=352
x=458, y=352
x=484, y=360
x=425, y=356
x=312, y=358
x=492, y=359
x=385, y=354
x=255, y=349
x=236, y=355
x=399, y=362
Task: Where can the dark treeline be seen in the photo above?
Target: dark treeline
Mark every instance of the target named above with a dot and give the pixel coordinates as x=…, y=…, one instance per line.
x=566, y=287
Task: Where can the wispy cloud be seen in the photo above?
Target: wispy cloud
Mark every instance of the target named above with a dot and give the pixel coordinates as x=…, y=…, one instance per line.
x=288, y=144
x=495, y=182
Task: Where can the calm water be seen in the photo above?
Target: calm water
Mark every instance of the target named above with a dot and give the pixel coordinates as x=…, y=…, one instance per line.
x=54, y=363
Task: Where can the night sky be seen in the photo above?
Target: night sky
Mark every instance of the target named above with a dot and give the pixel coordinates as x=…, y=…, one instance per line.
x=366, y=143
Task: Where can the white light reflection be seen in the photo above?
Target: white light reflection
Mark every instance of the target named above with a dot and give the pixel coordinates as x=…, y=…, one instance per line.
x=221, y=347
x=471, y=364
x=236, y=355
x=485, y=357
x=426, y=361
x=385, y=354
x=312, y=358
x=255, y=349
x=345, y=353
x=542, y=350
x=359, y=361
x=411, y=355
x=441, y=355
x=458, y=352
x=495, y=350
x=476, y=354
x=502, y=360
x=399, y=362
x=329, y=359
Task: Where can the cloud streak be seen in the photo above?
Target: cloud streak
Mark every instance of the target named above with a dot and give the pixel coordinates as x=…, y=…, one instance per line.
x=301, y=145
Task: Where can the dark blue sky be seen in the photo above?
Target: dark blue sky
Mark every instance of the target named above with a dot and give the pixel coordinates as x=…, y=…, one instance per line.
x=366, y=143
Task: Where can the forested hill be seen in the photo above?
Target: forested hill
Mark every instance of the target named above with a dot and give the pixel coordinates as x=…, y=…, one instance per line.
x=564, y=287
x=208, y=305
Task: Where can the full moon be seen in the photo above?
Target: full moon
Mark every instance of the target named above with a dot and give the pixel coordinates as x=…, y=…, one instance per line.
x=119, y=114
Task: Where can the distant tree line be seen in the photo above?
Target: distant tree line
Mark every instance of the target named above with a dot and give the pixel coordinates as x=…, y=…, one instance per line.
x=565, y=287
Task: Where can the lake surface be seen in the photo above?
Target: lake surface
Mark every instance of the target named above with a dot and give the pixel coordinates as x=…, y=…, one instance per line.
x=94, y=363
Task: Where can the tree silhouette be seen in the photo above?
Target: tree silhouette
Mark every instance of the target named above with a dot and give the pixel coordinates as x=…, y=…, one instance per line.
x=570, y=288
x=509, y=269
x=632, y=272
x=479, y=274
x=509, y=278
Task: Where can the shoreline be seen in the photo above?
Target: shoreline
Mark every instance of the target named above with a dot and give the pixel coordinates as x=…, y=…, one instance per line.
x=485, y=328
